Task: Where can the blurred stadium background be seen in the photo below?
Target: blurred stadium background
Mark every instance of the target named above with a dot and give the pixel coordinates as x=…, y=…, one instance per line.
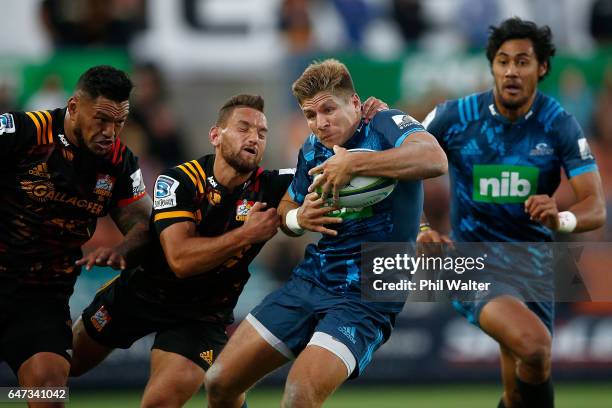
x=188, y=56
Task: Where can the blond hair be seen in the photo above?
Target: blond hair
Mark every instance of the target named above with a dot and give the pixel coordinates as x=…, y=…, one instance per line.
x=330, y=75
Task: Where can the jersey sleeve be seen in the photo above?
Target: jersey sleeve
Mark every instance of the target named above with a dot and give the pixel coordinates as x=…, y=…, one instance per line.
x=395, y=126
x=299, y=186
x=575, y=153
x=278, y=185
x=130, y=186
x=175, y=199
x=436, y=122
x=17, y=131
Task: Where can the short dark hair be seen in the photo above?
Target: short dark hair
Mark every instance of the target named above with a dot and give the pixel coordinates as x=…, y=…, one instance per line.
x=106, y=81
x=239, y=101
x=516, y=28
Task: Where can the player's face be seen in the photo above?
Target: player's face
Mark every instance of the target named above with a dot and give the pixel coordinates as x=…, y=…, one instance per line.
x=332, y=118
x=516, y=71
x=242, y=140
x=97, y=122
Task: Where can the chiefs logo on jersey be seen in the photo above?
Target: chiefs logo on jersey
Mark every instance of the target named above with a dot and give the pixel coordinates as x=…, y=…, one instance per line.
x=242, y=209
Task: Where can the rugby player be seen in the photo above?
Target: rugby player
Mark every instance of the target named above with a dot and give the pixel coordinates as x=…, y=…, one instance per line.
x=61, y=170
x=516, y=132
x=318, y=317
x=211, y=217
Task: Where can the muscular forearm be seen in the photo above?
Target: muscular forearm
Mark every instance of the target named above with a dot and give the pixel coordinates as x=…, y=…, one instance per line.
x=198, y=255
x=411, y=161
x=590, y=213
x=134, y=244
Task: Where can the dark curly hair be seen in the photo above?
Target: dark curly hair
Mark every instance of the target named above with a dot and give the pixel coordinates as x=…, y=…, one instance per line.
x=516, y=28
x=106, y=81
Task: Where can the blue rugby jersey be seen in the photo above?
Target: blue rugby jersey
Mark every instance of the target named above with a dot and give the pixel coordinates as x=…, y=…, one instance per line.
x=334, y=262
x=495, y=164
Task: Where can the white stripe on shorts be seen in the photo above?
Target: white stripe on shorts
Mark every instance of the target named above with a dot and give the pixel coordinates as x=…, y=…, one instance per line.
x=337, y=347
x=269, y=337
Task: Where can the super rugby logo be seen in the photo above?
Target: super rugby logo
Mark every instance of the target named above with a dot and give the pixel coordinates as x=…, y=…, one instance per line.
x=503, y=184
x=403, y=121
x=7, y=123
x=165, y=192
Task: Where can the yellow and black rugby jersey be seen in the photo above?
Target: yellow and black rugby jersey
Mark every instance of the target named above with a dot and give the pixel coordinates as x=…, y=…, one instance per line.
x=190, y=192
x=52, y=194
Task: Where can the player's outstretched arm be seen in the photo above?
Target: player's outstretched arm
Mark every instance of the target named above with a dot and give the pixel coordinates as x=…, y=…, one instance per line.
x=312, y=215
x=588, y=213
x=189, y=254
x=133, y=222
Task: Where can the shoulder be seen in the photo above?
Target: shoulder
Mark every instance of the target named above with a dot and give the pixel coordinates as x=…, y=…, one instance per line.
x=551, y=114
x=308, y=147
x=30, y=127
x=392, y=120
x=191, y=172
x=278, y=176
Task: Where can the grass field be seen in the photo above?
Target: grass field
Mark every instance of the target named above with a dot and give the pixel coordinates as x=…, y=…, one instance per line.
x=443, y=396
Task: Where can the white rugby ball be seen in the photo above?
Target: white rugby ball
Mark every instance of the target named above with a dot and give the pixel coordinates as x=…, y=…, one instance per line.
x=364, y=191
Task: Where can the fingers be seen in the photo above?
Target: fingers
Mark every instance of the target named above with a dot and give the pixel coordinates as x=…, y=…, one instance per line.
x=116, y=261
x=102, y=257
x=532, y=202
x=316, y=170
x=318, y=181
x=446, y=239
x=371, y=107
x=88, y=261
x=258, y=206
x=326, y=231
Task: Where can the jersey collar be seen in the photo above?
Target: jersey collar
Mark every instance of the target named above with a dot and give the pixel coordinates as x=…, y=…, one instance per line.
x=493, y=112
x=214, y=183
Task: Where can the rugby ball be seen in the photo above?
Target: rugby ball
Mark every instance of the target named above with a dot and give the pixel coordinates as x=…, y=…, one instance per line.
x=364, y=191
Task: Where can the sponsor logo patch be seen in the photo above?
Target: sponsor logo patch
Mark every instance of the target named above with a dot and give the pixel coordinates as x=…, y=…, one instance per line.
x=585, y=150
x=403, y=121
x=165, y=192
x=282, y=172
x=138, y=186
x=349, y=332
x=40, y=170
x=63, y=139
x=502, y=184
x=104, y=185
x=100, y=319
x=541, y=149
x=7, y=124
x=213, y=196
x=207, y=356
x=242, y=209
x=212, y=182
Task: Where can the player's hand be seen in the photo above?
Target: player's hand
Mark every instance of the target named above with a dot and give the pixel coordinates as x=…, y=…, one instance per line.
x=313, y=215
x=371, y=107
x=335, y=174
x=261, y=224
x=543, y=209
x=103, y=257
x=431, y=243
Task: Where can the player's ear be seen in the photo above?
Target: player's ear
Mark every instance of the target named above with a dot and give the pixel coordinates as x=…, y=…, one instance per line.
x=214, y=136
x=356, y=101
x=542, y=69
x=73, y=107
